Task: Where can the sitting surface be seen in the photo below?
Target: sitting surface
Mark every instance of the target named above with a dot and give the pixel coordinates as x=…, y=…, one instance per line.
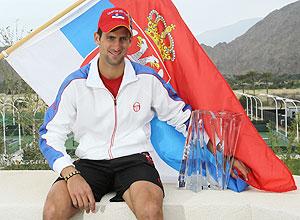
x=23, y=194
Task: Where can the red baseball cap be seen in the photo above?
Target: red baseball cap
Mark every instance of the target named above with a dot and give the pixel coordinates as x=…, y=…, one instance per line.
x=112, y=18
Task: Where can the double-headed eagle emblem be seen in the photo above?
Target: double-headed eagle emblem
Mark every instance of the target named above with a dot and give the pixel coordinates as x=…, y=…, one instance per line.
x=160, y=34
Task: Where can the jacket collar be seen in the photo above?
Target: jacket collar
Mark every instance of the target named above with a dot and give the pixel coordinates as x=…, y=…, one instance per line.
x=94, y=80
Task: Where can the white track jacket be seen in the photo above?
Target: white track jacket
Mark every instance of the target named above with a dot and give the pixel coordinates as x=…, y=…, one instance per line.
x=106, y=127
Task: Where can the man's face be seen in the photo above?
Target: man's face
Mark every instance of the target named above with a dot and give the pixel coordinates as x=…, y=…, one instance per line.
x=114, y=45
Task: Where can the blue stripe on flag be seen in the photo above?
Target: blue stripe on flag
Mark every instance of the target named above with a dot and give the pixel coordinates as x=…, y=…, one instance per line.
x=167, y=142
x=80, y=31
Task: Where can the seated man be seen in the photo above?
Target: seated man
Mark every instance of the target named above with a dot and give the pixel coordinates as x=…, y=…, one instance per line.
x=108, y=105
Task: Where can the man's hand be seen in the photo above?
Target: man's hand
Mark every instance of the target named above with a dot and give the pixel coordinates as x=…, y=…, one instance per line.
x=80, y=192
x=241, y=167
x=236, y=164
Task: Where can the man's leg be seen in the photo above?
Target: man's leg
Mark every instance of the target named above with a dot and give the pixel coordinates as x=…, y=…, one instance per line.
x=145, y=199
x=95, y=172
x=58, y=204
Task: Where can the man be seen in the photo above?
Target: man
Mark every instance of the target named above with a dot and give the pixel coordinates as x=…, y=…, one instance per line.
x=108, y=105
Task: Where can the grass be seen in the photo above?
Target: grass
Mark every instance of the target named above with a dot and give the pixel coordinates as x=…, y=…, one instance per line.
x=27, y=167
x=294, y=166
x=283, y=153
x=273, y=91
x=12, y=143
x=283, y=92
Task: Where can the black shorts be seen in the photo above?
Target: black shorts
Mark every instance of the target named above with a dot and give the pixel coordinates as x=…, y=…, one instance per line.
x=116, y=175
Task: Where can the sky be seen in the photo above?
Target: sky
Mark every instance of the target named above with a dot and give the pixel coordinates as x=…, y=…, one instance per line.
x=199, y=15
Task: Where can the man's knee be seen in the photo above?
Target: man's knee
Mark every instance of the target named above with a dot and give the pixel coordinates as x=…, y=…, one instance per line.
x=50, y=211
x=58, y=204
x=150, y=210
x=146, y=199
x=55, y=211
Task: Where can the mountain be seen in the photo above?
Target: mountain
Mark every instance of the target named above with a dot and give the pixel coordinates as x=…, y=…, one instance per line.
x=271, y=45
x=227, y=33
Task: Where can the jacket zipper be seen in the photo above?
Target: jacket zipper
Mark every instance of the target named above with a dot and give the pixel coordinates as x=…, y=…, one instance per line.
x=112, y=139
x=114, y=130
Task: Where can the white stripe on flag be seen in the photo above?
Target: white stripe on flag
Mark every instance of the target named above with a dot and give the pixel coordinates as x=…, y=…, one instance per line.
x=42, y=67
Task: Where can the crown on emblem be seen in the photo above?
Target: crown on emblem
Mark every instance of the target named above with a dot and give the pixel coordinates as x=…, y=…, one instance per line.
x=163, y=40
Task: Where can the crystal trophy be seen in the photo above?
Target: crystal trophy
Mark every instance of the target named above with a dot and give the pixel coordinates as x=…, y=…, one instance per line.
x=209, y=150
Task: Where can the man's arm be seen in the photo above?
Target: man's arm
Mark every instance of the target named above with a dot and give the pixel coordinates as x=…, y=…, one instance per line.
x=236, y=164
x=58, y=120
x=80, y=192
x=171, y=108
x=53, y=133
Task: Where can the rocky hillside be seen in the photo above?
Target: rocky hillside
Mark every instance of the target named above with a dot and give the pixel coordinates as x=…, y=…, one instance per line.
x=271, y=45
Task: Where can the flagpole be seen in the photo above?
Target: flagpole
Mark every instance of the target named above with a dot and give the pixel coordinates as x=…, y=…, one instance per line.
x=5, y=53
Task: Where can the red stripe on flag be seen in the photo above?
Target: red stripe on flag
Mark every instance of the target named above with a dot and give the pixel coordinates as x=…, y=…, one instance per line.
x=199, y=83
x=91, y=56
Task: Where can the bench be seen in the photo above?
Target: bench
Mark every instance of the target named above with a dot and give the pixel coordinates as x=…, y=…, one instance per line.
x=22, y=194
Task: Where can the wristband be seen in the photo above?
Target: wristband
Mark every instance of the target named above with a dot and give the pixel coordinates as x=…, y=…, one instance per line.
x=71, y=174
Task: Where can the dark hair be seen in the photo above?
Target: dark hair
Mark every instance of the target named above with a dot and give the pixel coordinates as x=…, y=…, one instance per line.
x=99, y=32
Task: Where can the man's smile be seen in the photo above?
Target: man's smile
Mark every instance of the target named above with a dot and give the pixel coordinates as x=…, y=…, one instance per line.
x=115, y=53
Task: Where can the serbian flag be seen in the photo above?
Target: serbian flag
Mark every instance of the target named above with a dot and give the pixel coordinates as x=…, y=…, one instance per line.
x=162, y=41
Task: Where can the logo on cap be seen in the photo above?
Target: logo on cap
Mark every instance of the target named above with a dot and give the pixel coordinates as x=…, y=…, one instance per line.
x=118, y=16
x=112, y=18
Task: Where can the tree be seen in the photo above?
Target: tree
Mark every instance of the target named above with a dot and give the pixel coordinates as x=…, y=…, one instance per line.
x=11, y=81
x=253, y=78
x=23, y=98
x=286, y=153
x=267, y=77
x=11, y=34
x=242, y=80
